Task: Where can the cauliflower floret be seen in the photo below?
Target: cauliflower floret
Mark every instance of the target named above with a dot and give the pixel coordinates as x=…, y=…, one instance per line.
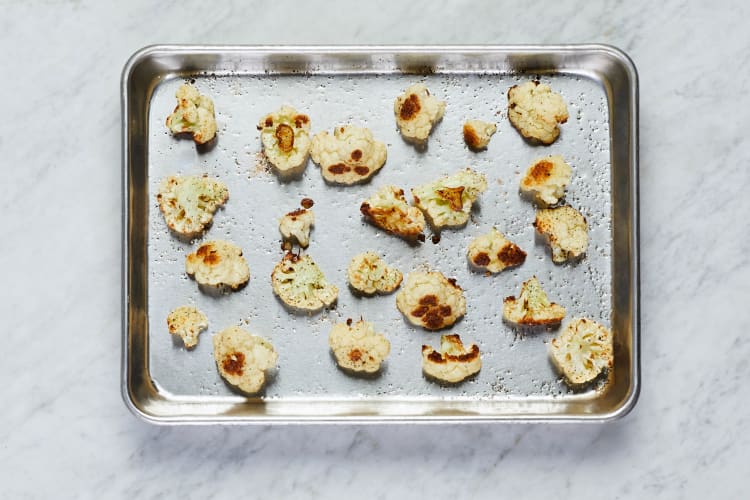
x=447, y=201
x=300, y=284
x=194, y=114
x=218, y=263
x=286, y=140
x=189, y=202
x=417, y=112
x=388, y=210
x=477, y=134
x=431, y=300
x=566, y=231
x=296, y=226
x=493, y=252
x=243, y=358
x=546, y=179
x=349, y=156
x=532, y=307
x=357, y=347
x=369, y=274
x=582, y=351
x=536, y=111
x=187, y=322
x=453, y=362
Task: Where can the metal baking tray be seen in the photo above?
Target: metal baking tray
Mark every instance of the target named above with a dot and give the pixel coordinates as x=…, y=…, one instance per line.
x=164, y=383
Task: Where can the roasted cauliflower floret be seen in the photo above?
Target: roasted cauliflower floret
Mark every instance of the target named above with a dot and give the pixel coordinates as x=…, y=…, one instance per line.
x=243, y=358
x=285, y=135
x=493, y=252
x=532, y=307
x=454, y=362
x=536, y=111
x=349, y=156
x=477, y=134
x=188, y=203
x=218, y=263
x=447, y=201
x=194, y=114
x=300, y=284
x=430, y=300
x=388, y=210
x=582, y=351
x=357, y=347
x=417, y=112
x=187, y=322
x=566, y=231
x=546, y=179
x=295, y=226
x=369, y=274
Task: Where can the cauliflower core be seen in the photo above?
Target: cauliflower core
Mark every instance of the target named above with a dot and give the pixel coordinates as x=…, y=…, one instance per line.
x=295, y=226
x=532, y=307
x=349, y=156
x=566, y=231
x=285, y=135
x=357, y=347
x=369, y=274
x=242, y=358
x=447, y=201
x=388, y=210
x=582, y=351
x=431, y=300
x=453, y=362
x=300, y=284
x=218, y=263
x=546, y=180
x=477, y=134
x=536, y=111
x=187, y=322
x=417, y=112
x=188, y=203
x=493, y=252
x=194, y=114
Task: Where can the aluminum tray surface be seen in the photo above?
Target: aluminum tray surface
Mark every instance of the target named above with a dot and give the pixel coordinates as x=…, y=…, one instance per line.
x=164, y=382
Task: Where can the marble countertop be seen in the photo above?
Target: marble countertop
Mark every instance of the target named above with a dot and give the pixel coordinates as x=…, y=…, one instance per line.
x=64, y=430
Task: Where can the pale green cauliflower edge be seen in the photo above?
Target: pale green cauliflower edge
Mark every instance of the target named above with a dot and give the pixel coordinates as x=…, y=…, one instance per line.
x=300, y=284
x=447, y=201
x=188, y=203
x=194, y=114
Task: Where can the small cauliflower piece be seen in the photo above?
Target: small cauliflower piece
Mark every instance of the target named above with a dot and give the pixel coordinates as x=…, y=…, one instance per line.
x=388, y=210
x=194, y=114
x=493, y=252
x=532, y=307
x=300, y=284
x=566, y=231
x=187, y=322
x=417, y=112
x=430, y=300
x=349, y=156
x=295, y=226
x=285, y=135
x=243, y=359
x=546, y=179
x=447, y=201
x=357, y=347
x=535, y=111
x=477, y=134
x=454, y=362
x=582, y=351
x=218, y=263
x=369, y=274
x=188, y=203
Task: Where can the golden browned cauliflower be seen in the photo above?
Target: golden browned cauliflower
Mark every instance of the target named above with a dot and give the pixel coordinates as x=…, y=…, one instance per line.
x=532, y=307
x=566, y=231
x=194, y=114
x=295, y=226
x=369, y=274
x=546, y=179
x=453, y=362
x=447, y=201
x=388, y=210
x=349, y=156
x=300, y=284
x=285, y=135
x=430, y=300
x=357, y=347
x=188, y=203
x=218, y=263
x=536, y=111
x=477, y=134
x=417, y=112
x=493, y=252
x=243, y=359
x=187, y=322
x=582, y=351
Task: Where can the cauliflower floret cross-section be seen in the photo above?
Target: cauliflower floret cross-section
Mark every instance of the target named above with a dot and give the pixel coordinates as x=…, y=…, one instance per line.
x=447, y=201
x=349, y=156
x=285, y=135
x=194, y=114
x=357, y=347
x=493, y=252
x=243, y=359
x=187, y=322
x=417, y=112
x=188, y=203
x=477, y=133
x=582, y=351
x=388, y=210
x=218, y=264
x=430, y=300
x=566, y=231
x=545, y=180
x=369, y=274
x=295, y=226
x=532, y=307
x=454, y=362
x=301, y=285
x=536, y=111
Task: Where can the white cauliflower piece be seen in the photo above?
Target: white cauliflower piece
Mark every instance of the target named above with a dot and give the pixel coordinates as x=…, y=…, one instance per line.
x=218, y=263
x=453, y=362
x=566, y=231
x=477, y=133
x=494, y=252
x=430, y=300
x=285, y=135
x=243, y=359
x=535, y=111
x=357, y=347
x=296, y=226
x=582, y=351
x=187, y=322
x=546, y=180
x=532, y=307
x=300, y=284
x=417, y=112
x=349, y=156
x=388, y=210
x=369, y=274
x=447, y=201
x=188, y=203
x=194, y=114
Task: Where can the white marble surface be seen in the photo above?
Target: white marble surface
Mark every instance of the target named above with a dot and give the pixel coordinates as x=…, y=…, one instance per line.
x=64, y=431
